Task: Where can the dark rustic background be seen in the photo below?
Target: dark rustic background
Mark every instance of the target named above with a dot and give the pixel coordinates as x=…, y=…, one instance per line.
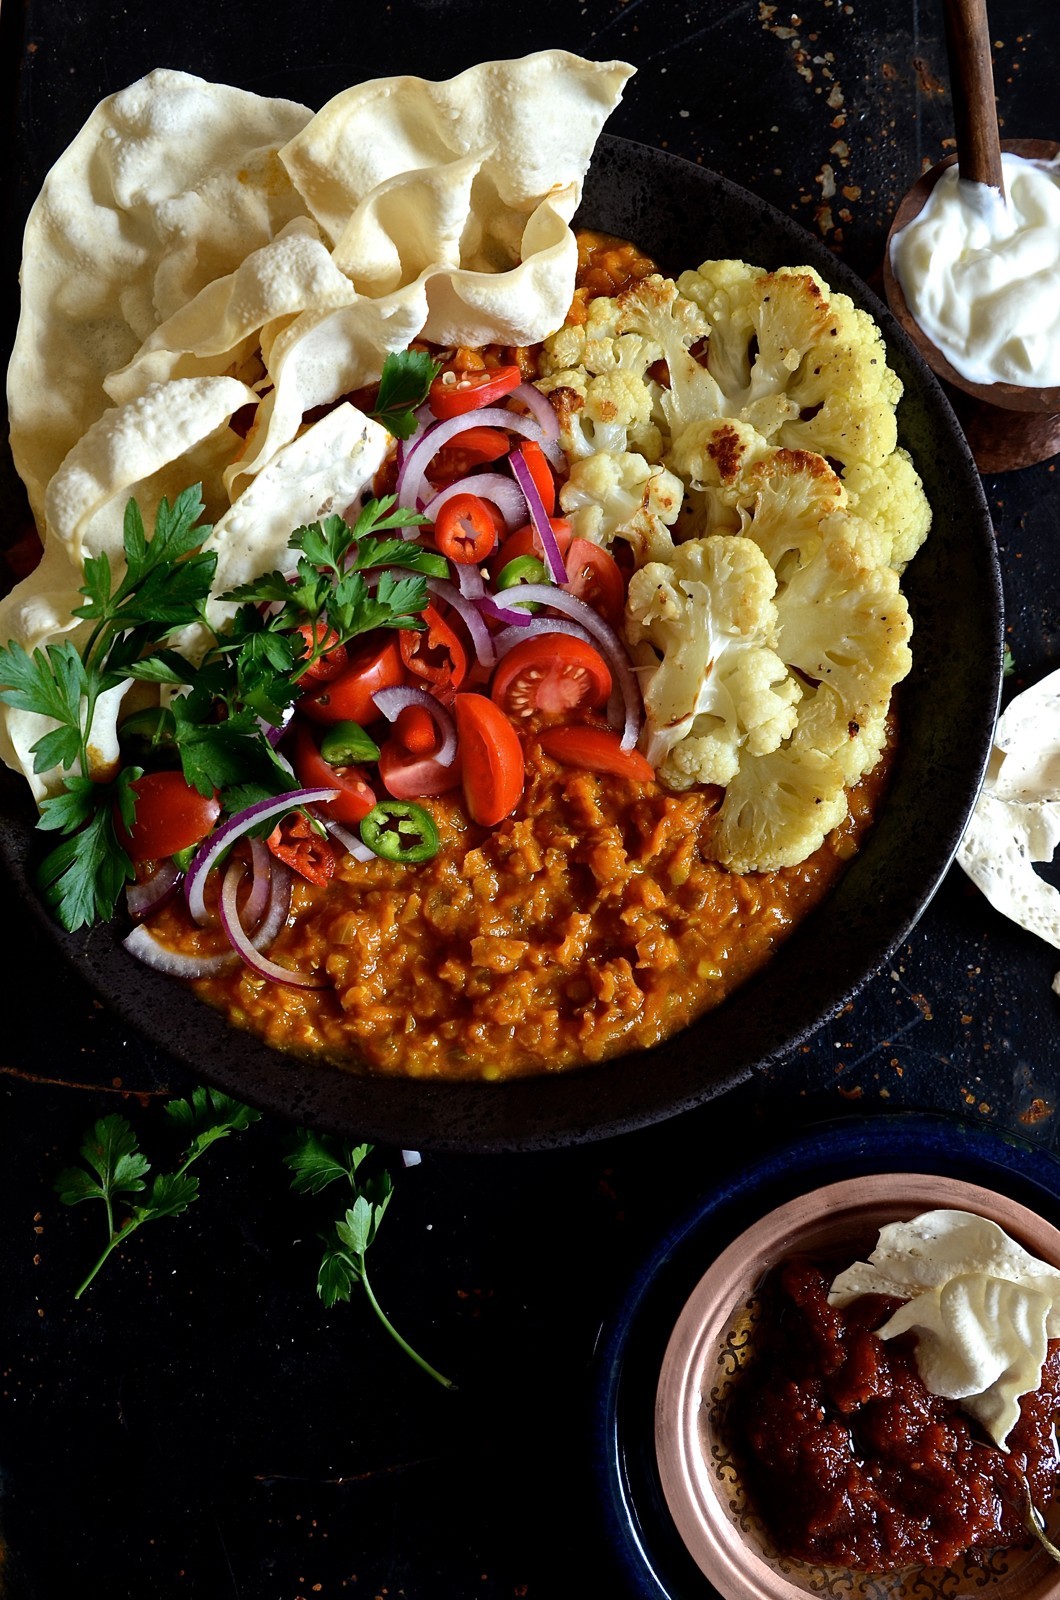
x=197, y=1424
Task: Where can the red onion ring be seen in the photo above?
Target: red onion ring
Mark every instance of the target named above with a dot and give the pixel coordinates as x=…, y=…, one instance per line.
x=490, y=606
x=143, y=944
x=469, y=613
x=492, y=486
x=540, y=408
x=391, y=702
x=509, y=637
x=352, y=845
x=412, y=475
x=234, y=828
x=261, y=883
x=611, y=646
x=242, y=943
x=155, y=892
x=469, y=580
x=539, y=517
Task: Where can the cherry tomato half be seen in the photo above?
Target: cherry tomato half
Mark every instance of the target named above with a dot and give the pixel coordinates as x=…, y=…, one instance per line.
x=170, y=816
x=472, y=448
x=453, y=393
x=595, y=750
x=374, y=664
x=412, y=777
x=491, y=758
x=465, y=529
x=296, y=841
x=593, y=575
x=549, y=676
x=524, y=542
x=435, y=655
x=356, y=796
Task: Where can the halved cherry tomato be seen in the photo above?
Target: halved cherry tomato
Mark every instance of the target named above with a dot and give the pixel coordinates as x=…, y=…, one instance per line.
x=356, y=796
x=416, y=730
x=472, y=448
x=453, y=393
x=551, y=675
x=541, y=472
x=296, y=841
x=492, y=767
x=409, y=777
x=524, y=542
x=375, y=664
x=330, y=663
x=593, y=575
x=465, y=529
x=596, y=750
x=170, y=816
x=437, y=654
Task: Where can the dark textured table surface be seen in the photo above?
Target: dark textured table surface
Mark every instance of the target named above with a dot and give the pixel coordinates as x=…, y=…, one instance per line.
x=197, y=1423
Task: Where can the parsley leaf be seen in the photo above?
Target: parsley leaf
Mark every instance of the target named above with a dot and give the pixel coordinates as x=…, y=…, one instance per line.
x=115, y=1165
x=317, y=1161
x=406, y=379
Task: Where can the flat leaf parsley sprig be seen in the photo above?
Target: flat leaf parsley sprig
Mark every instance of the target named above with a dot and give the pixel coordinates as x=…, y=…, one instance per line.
x=115, y=1167
x=318, y=1161
x=218, y=712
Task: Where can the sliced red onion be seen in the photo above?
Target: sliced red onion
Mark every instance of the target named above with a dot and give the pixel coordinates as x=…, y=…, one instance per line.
x=155, y=892
x=470, y=614
x=539, y=517
x=280, y=879
x=243, y=944
x=490, y=606
x=391, y=702
x=611, y=646
x=412, y=475
x=492, y=486
x=540, y=408
x=261, y=883
x=350, y=842
x=505, y=640
x=233, y=829
x=469, y=580
x=143, y=944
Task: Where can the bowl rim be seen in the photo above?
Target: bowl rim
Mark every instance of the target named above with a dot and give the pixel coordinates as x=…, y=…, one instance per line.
x=691, y=1490
x=630, y=1092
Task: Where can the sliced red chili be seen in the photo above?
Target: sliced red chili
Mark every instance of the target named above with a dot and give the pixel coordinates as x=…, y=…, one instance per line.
x=296, y=841
x=437, y=654
x=465, y=529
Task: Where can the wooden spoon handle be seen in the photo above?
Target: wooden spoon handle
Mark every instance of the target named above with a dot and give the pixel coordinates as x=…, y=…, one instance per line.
x=972, y=88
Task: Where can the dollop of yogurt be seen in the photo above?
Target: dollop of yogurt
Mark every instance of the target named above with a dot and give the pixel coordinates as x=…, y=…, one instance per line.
x=981, y=273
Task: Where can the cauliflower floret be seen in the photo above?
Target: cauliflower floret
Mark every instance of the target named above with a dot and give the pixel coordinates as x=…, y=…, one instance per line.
x=790, y=497
x=623, y=496
x=779, y=809
x=702, y=627
x=609, y=411
x=711, y=457
x=845, y=628
x=891, y=497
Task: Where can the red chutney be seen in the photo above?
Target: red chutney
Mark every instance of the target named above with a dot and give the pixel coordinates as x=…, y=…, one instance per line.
x=851, y=1462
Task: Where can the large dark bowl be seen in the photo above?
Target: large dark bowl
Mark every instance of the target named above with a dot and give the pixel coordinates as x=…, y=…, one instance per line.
x=682, y=215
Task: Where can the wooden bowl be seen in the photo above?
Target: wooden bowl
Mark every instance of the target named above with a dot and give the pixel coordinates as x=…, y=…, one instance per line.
x=1008, y=425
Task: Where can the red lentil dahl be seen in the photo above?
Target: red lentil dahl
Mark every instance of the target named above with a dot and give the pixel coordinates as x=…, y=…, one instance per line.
x=590, y=923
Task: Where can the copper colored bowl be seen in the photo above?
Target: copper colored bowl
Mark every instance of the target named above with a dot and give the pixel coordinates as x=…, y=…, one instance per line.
x=713, y=1338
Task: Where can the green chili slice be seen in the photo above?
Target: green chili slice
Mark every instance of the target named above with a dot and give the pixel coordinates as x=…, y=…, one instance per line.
x=399, y=830
x=347, y=742
x=523, y=569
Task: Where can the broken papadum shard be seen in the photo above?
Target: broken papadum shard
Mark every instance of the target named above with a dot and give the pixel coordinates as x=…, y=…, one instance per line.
x=1016, y=821
x=982, y=1307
